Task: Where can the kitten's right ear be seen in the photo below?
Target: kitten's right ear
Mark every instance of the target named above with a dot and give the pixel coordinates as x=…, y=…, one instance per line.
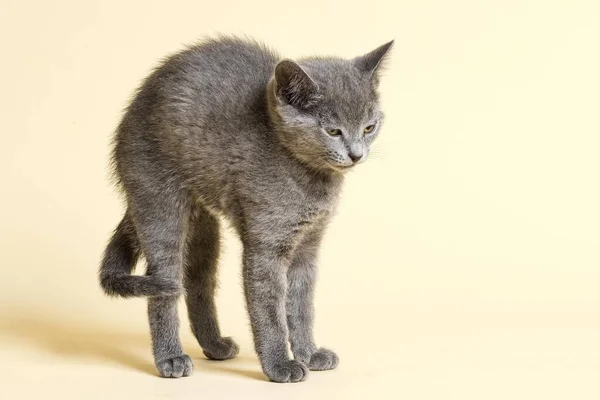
x=371, y=62
x=294, y=86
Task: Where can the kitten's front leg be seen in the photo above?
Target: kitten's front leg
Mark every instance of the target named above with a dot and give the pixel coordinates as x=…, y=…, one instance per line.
x=300, y=309
x=265, y=287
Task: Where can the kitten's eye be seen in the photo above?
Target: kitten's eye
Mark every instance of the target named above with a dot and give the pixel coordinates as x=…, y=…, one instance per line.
x=369, y=128
x=334, y=132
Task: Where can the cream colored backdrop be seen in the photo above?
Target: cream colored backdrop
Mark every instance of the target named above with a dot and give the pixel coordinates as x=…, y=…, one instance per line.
x=463, y=264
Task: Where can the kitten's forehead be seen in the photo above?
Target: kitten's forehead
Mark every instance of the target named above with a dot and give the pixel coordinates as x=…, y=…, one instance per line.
x=348, y=95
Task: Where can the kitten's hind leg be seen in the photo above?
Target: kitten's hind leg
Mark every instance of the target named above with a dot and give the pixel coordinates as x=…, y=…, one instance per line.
x=161, y=223
x=120, y=258
x=200, y=284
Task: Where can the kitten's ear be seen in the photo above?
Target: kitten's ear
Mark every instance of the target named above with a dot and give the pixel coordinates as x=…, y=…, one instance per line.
x=371, y=62
x=294, y=86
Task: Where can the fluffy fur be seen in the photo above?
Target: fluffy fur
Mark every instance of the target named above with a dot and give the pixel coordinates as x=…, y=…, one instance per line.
x=228, y=129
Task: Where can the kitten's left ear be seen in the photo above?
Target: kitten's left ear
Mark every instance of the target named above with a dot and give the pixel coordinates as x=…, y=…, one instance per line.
x=371, y=62
x=294, y=86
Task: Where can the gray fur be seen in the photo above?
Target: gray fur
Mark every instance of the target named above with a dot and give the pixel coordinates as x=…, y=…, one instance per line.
x=227, y=128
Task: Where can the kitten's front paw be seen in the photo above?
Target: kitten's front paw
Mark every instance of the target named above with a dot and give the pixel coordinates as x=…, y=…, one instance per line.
x=175, y=367
x=288, y=371
x=323, y=360
x=224, y=349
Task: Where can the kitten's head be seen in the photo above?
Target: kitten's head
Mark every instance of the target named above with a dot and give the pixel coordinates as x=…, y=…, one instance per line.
x=327, y=109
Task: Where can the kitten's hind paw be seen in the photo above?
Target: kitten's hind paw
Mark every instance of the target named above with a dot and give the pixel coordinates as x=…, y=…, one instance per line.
x=224, y=349
x=175, y=367
x=323, y=360
x=288, y=371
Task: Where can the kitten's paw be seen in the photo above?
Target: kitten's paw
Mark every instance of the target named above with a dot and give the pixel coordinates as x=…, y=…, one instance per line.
x=223, y=349
x=176, y=367
x=323, y=360
x=287, y=371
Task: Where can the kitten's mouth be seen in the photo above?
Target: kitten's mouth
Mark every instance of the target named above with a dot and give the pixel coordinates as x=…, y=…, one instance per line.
x=343, y=168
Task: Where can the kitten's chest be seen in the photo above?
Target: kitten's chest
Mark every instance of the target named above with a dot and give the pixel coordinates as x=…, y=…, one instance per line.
x=283, y=211
x=309, y=215
x=313, y=202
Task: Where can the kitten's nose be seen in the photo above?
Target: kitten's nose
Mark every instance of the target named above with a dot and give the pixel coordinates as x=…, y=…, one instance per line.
x=355, y=156
x=356, y=151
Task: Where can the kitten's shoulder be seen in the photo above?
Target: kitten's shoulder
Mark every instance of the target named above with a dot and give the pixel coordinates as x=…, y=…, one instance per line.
x=230, y=47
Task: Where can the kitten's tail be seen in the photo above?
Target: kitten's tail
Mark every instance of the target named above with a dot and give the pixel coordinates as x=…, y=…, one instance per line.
x=120, y=258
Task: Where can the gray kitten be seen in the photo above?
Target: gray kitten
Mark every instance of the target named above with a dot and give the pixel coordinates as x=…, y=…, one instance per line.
x=228, y=128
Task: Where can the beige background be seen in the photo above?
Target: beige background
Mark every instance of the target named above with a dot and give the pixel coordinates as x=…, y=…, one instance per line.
x=463, y=264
